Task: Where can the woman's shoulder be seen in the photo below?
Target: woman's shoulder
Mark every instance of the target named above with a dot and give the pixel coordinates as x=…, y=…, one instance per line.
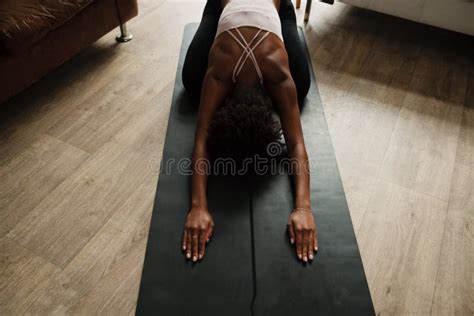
x=220, y=60
x=274, y=64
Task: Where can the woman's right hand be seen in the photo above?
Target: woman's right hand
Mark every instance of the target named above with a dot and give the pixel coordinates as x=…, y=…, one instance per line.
x=197, y=232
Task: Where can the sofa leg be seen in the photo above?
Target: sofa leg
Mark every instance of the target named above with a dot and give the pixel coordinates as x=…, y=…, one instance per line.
x=307, y=11
x=125, y=35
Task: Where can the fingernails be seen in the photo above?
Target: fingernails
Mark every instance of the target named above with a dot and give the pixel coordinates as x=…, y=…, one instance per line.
x=316, y=248
x=184, y=247
x=310, y=257
x=292, y=241
x=194, y=258
x=188, y=255
x=200, y=256
x=207, y=240
x=305, y=259
x=300, y=256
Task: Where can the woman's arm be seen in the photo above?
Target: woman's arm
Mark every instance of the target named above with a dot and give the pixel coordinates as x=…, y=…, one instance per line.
x=286, y=101
x=301, y=224
x=199, y=224
x=213, y=94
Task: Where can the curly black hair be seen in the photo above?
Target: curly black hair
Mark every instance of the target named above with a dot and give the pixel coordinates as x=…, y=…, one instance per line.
x=243, y=126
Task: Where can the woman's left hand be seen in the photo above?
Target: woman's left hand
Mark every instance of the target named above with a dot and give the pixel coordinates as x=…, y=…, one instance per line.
x=302, y=231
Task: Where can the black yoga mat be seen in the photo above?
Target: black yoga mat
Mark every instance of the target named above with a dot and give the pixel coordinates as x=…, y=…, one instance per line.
x=249, y=267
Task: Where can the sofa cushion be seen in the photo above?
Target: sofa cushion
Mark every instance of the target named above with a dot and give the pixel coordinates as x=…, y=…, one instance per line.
x=24, y=22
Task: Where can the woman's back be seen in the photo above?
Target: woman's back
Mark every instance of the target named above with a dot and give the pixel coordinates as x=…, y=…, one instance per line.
x=223, y=51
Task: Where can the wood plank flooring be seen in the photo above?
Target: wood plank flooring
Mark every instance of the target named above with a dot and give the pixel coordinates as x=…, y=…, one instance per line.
x=79, y=154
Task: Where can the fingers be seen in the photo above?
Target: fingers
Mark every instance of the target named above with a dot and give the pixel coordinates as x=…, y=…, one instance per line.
x=204, y=237
x=195, y=244
x=316, y=244
x=311, y=246
x=305, y=245
x=199, y=227
x=299, y=243
x=188, y=243
x=202, y=243
x=194, y=240
x=183, y=243
x=291, y=233
x=210, y=231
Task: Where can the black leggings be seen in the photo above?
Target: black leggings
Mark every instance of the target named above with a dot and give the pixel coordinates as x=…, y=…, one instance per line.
x=195, y=64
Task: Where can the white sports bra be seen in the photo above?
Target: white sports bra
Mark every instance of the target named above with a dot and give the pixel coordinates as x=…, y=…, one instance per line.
x=260, y=14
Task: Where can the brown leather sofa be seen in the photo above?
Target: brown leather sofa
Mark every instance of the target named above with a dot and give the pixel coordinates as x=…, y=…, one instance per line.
x=37, y=36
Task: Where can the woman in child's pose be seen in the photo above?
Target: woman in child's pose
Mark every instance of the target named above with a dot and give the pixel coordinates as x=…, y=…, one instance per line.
x=245, y=60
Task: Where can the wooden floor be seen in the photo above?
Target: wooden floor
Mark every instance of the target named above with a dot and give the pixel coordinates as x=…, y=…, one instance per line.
x=79, y=153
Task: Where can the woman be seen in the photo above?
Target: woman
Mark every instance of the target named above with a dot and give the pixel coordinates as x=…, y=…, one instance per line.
x=245, y=59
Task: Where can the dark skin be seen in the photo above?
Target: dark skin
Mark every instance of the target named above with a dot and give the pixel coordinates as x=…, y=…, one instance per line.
x=278, y=82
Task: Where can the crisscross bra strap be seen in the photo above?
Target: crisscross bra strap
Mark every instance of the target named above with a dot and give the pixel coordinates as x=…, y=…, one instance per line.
x=247, y=53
